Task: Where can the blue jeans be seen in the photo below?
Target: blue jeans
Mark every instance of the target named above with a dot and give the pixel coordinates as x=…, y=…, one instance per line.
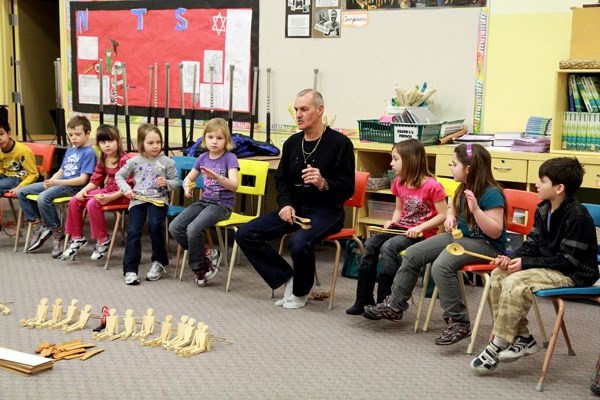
x=444, y=271
x=156, y=227
x=253, y=240
x=189, y=226
x=389, y=246
x=7, y=183
x=44, y=207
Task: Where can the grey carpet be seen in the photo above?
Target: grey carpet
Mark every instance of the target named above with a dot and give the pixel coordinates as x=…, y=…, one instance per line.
x=310, y=353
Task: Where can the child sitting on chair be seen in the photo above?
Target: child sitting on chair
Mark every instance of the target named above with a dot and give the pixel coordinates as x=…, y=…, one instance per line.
x=560, y=251
x=17, y=162
x=75, y=170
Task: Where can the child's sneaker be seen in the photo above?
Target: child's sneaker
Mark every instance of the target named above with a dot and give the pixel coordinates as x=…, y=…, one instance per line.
x=58, y=244
x=73, y=249
x=487, y=361
x=212, y=267
x=383, y=310
x=131, y=278
x=521, y=347
x=156, y=271
x=100, y=250
x=200, y=278
x=39, y=236
x=454, y=332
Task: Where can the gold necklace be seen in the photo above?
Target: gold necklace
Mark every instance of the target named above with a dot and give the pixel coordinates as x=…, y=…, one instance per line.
x=305, y=154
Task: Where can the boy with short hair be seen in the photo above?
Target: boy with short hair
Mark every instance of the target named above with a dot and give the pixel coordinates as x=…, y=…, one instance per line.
x=76, y=168
x=560, y=251
x=17, y=162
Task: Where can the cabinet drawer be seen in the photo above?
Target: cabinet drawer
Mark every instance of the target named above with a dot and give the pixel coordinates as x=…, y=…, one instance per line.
x=591, y=179
x=509, y=170
x=442, y=165
x=532, y=171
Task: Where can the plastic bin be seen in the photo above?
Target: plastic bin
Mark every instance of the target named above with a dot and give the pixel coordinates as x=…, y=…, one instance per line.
x=375, y=131
x=381, y=209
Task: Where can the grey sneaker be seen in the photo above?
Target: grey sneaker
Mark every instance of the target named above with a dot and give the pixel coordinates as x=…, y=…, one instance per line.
x=200, y=279
x=487, y=361
x=521, y=347
x=58, y=243
x=156, y=271
x=100, y=250
x=383, y=310
x=39, y=235
x=73, y=249
x=131, y=278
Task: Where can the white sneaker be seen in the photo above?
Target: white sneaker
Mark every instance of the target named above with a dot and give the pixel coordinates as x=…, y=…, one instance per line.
x=289, y=291
x=521, y=347
x=100, y=250
x=131, y=278
x=74, y=247
x=294, y=302
x=156, y=271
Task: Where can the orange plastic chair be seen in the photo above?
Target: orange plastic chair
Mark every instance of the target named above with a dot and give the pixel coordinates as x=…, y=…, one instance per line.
x=44, y=153
x=356, y=202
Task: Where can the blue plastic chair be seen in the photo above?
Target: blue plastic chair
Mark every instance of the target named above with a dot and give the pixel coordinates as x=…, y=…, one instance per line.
x=557, y=296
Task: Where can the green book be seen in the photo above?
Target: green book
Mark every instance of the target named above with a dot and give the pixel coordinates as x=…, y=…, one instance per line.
x=584, y=95
x=576, y=97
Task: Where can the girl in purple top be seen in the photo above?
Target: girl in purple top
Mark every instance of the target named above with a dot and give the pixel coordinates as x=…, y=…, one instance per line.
x=219, y=168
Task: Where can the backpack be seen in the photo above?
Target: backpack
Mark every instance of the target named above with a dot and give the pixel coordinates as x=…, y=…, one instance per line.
x=244, y=146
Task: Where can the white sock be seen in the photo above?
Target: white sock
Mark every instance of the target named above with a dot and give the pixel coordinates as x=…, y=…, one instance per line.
x=501, y=343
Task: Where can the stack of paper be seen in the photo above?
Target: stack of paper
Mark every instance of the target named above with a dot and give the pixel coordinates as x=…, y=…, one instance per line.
x=506, y=139
x=484, y=140
x=23, y=362
x=449, y=127
x=539, y=144
x=417, y=115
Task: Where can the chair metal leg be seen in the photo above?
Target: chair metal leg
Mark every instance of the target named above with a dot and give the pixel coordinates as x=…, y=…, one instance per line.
x=118, y=218
x=484, y=298
x=231, y=265
x=177, y=259
x=426, y=275
x=183, y=263
x=434, y=297
x=463, y=291
x=538, y=316
x=29, y=228
x=559, y=306
x=18, y=230
x=336, y=265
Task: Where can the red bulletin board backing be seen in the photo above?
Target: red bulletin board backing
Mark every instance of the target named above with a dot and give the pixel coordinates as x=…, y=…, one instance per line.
x=141, y=34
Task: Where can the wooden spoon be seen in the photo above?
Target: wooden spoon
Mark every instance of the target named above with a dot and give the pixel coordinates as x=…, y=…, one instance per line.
x=303, y=220
x=457, y=250
x=303, y=225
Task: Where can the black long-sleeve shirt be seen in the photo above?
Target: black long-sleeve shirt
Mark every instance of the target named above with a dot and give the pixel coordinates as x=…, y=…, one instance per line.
x=334, y=156
x=568, y=245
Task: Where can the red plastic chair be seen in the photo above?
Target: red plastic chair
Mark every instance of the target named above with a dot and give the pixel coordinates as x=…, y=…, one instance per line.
x=356, y=202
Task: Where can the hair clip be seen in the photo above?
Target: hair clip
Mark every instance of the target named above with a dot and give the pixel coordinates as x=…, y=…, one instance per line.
x=469, y=151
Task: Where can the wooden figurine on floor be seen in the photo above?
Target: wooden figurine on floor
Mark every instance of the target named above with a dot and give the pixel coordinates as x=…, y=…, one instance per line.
x=147, y=325
x=57, y=313
x=72, y=315
x=40, y=315
x=188, y=336
x=179, y=334
x=200, y=344
x=84, y=317
x=165, y=333
x=3, y=308
x=111, y=328
x=130, y=325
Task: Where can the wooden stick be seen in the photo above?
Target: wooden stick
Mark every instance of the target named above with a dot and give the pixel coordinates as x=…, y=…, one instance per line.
x=156, y=202
x=90, y=354
x=379, y=229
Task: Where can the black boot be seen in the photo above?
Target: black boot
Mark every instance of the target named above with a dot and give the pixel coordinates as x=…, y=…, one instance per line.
x=364, y=294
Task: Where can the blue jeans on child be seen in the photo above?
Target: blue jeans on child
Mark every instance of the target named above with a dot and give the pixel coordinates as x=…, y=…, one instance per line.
x=156, y=227
x=44, y=206
x=7, y=183
x=253, y=240
x=189, y=226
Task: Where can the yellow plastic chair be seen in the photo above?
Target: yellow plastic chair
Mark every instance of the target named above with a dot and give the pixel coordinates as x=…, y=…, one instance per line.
x=253, y=182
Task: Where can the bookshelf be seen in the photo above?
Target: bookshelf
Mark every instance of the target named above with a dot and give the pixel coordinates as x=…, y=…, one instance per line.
x=562, y=105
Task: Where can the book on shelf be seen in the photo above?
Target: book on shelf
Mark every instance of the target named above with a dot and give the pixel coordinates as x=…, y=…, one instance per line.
x=25, y=363
x=590, y=105
x=506, y=139
x=538, y=126
x=593, y=90
x=581, y=131
x=532, y=143
x=576, y=97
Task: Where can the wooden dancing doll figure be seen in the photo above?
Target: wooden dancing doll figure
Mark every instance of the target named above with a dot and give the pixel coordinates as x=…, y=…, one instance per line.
x=201, y=342
x=165, y=333
x=188, y=336
x=111, y=329
x=72, y=315
x=84, y=317
x=130, y=325
x=40, y=315
x=147, y=325
x=179, y=334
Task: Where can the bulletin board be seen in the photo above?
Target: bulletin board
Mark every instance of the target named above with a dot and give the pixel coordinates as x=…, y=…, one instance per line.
x=190, y=36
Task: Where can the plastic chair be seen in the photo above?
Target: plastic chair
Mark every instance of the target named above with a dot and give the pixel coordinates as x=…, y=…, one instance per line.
x=253, y=182
x=44, y=154
x=184, y=164
x=450, y=186
x=557, y=296
x=356, y=202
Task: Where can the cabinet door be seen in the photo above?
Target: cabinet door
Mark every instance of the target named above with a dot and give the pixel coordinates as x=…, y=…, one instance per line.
x=442, y=165
x=591, y=179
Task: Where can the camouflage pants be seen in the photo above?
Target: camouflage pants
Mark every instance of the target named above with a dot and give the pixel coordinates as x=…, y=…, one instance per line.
x=512, y=297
